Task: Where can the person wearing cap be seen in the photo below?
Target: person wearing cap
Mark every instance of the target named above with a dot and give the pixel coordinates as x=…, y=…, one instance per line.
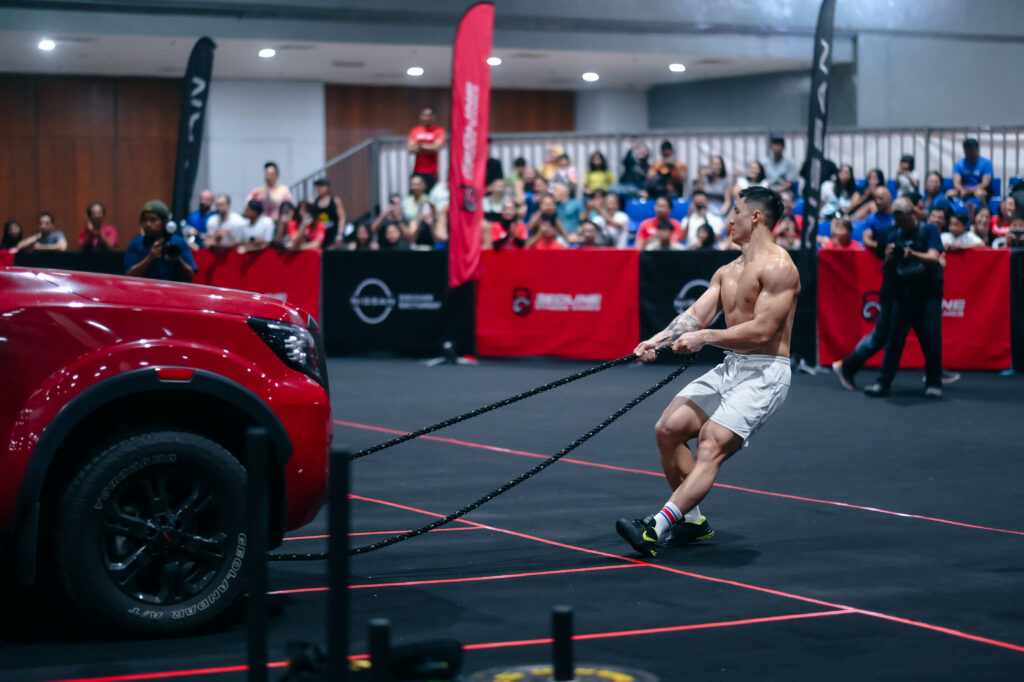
x=156, y=253
x=779, y=170
x=328, y=211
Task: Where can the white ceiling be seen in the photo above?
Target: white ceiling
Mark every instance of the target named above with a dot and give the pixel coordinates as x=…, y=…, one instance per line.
x=376, y=64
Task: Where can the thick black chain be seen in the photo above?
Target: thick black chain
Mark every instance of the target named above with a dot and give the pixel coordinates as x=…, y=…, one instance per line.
x=515, y=481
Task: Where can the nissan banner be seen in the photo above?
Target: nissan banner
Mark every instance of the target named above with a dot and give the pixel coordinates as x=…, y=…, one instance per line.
x=190, y=125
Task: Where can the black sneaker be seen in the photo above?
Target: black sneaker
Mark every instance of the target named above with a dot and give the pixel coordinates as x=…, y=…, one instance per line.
x=685, y=532
x=640, y=535
x=876, y=390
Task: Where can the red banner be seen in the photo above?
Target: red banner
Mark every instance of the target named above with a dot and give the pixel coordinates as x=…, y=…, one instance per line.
x=6, y=257
x=471, y=108
x=975, y=308
x=570, y=304
x=291, y=277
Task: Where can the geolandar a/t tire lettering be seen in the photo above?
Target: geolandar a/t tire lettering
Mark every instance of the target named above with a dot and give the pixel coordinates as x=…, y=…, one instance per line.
x=150, y=535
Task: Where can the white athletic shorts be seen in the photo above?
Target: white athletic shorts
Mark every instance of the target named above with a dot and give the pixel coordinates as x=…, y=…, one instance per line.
x=742, y=392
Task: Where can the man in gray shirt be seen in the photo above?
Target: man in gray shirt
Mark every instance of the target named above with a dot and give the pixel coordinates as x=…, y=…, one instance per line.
x=779, y=170
x=49, y=238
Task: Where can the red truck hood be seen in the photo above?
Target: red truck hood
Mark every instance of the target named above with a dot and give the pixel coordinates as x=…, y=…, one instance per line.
x=148, y=293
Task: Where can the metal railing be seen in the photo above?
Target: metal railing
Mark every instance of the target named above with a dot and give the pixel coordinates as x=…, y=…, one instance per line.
x=387, y=166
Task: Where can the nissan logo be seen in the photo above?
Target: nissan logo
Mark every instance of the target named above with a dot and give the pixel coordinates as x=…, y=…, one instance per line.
x=372, y=301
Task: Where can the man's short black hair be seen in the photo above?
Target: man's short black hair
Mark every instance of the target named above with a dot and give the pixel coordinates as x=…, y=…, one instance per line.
x=698, y=192
x=766, y=200
x=48, y=215
x=271, y=164
x=320, y=182
x=962, y=217
x=256, y=206
x=970, y=142
x=665, y=224
x=777, y=139
x=519, y=162
x=667, y=144
x=908, y=159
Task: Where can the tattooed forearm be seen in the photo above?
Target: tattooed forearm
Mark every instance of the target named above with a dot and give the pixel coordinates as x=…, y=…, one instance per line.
x=682, y=324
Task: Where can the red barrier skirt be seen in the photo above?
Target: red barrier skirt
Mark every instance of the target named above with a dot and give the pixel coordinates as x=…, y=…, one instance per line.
x=975, y=308
x=6, y=258
x=291, y=277
x=570, y=304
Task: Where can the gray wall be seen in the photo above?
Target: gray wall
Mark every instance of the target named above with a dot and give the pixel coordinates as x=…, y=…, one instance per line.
x=766, y=101
x=611, y=111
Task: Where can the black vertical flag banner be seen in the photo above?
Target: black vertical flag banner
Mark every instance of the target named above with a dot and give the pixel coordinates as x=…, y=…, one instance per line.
x=190, y=126
x=817, y=120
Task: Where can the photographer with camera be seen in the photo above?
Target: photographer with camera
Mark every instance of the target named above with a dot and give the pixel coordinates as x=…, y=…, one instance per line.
x=158, y=253
x=913, y=271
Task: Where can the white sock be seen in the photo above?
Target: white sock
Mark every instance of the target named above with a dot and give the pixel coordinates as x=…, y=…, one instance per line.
x=666, y=518
x=693, y=516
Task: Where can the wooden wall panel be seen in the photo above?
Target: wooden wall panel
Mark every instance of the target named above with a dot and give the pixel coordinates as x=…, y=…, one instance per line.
x=76, y=107
x=357, y=112
x=19, y=165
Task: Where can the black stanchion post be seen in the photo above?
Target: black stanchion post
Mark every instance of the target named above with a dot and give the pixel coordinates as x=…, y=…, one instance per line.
x=380, y=650
x=337, y=568
x=257, y=453
x=561, y=626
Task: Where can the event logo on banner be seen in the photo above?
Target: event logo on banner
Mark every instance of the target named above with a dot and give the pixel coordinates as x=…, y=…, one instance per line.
x=689, y=294
x=467, y=172
x=372, y=301
x=817, y=120
x=190, y=125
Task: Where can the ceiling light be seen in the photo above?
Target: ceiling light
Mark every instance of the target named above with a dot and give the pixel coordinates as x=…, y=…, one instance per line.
x=267, y=52
x=414, y=71
x=590, y=76
x=46, y=44
x=494, y=61
x=676, y=68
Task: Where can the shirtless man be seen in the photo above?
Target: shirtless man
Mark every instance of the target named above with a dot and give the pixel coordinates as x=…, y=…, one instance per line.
x=722, y=408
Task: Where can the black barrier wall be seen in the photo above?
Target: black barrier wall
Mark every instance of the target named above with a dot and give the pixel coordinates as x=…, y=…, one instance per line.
x=105, y=262
x=377, y=301
x=1017, y=309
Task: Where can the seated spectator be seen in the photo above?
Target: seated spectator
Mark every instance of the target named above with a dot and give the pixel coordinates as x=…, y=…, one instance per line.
x=588, y=236
x=705, y=240
x=257, y=232
x=550, y=165
x=982, y=226
x=507, y=232
x=939, y=217
x=1014, y=238
x=667, y=176
x=716, y=184
x=647, y=229
x=12, y=235
x=271, y=195
x=156, y=255
x=972, y=175
x=423, y=232
x=49, y=238
x=494, y=170
x=305, y=232
x=518, y=169
x=598, y=177
x=842, y=229
x=915, y=200
x=959, y=238
x=1007, y=212
x=222, y=226
x=391, y=215
x=569, y=210
x=863, y=204
x=520, y=181
x=779, y=170
x=784, y=233
x=788, y=204
x=879, y=223
x=546, y=236
x=635, y=166
x=530, y=176
x=699, y=214
x=906, y=178
x=285, y=215
x=97, y=235
x=194, y=229
x=753, y=177
x=933, y=195
x=664, y=238
x=393, y=240
x=610, y=219
x=566, y=174
x=362, y=239
x=838, y=194
x=330, y=211
x=494, y=200
x=412, y=204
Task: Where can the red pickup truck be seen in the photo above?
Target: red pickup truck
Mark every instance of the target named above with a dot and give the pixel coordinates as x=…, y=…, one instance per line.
x=122, y=418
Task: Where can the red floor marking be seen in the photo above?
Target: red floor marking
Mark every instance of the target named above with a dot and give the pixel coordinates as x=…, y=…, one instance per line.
x=717, y=485
x=377, y=532
x=699, y=576
x=170, y=673
x=655, y=631
x=441, y=581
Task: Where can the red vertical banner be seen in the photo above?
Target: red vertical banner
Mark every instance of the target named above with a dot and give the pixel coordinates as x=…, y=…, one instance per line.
x=471, y=109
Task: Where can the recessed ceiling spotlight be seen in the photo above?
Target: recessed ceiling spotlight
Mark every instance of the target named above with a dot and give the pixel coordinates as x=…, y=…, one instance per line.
x=494, y=61
x=590, y=76
x=46, y=44
x=676, y=68
x=414, y=71
x=267, y=52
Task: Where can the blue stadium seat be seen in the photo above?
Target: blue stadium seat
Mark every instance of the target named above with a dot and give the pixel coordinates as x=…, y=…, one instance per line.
x=825, y=228
x=993, y=205
x=892, y=187
x=861, y=184
x=858, y=230
x=1014, y=180
x=640, y=210
x=798, y=207
x=997, y=186
x=947, y=184
x=679, y=208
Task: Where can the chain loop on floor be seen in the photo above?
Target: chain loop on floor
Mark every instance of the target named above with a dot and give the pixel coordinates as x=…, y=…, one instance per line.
x=515, y=481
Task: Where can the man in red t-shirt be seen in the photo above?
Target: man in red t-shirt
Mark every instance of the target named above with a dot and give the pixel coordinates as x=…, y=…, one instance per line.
x=649, y=227
x=842, y=229
x=97, y=235
x=425, y=141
